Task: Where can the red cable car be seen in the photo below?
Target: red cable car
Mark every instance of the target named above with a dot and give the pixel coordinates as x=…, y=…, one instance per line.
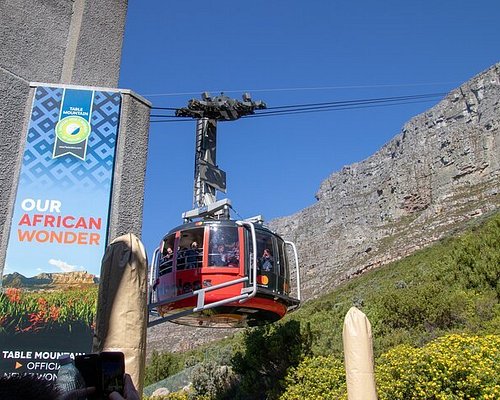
x=223, y=273
x=213, y=271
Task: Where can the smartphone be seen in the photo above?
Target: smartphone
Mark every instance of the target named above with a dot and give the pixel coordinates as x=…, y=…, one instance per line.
x=112, y=371
x=89, y=366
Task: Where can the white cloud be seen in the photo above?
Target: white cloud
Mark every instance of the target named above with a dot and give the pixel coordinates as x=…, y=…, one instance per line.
x=64, y=266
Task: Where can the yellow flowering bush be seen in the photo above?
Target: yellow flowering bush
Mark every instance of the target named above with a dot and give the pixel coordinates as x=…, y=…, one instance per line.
x=181, y=395
x=316, y=378
x=453, y=367
x=449, y=368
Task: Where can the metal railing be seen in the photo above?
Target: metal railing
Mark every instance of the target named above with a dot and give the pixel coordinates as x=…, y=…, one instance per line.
x=297, y=272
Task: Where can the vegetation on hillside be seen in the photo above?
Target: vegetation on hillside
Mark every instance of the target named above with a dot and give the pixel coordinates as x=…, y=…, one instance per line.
x=450, y=291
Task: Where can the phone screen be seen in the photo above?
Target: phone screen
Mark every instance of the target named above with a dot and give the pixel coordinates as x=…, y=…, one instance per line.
x=112, y=371
x=89, y=367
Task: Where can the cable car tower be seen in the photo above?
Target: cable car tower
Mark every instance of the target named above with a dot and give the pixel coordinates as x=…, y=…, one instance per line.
x=207, y=176
x=213, y=271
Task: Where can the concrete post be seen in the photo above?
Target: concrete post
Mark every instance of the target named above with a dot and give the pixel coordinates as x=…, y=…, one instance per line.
x=68, y=42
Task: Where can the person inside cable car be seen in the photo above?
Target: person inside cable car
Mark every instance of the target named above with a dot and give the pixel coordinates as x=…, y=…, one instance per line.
x=187, y=287
x=266, y=262
x=166, y=261
x=192, y=256
x=168, y=254
x=181, y=258
x=221, y=256
x=233, y=255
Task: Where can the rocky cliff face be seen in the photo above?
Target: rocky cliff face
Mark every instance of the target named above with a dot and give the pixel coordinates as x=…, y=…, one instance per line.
x=441, y=170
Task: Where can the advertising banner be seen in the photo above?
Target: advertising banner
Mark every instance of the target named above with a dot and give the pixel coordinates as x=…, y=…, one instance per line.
x=59, y=228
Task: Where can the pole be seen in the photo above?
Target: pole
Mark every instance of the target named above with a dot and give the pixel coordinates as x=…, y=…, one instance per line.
x=358, y=354
x=122, y=311
x=205, y=156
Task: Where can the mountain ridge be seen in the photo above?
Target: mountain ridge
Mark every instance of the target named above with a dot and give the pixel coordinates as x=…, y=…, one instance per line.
x=440, y=171
x=49, y=279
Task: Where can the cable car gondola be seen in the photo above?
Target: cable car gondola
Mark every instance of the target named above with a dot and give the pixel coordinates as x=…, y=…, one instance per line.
x=214, y=271
x=223, y=273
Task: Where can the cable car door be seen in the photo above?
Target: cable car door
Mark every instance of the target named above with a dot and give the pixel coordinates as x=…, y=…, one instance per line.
x=267, y=276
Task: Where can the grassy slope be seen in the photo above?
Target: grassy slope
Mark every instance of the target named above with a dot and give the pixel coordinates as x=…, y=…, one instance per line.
x=452, y=286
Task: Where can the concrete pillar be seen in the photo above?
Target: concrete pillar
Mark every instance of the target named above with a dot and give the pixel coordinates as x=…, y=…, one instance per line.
x=75, y=42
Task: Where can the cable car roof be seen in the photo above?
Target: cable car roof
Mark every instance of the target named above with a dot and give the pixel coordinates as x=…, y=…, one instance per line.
x=219, y=222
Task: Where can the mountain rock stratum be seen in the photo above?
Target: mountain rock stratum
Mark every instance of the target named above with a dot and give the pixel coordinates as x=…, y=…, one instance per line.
x=438, y=173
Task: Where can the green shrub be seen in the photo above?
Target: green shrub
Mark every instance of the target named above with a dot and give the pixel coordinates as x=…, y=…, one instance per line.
x=182, y=395
x=477, y=257
x=161, y=366
x=430, y=305
x=212, y=380
x=268, y=353
x=316, y=378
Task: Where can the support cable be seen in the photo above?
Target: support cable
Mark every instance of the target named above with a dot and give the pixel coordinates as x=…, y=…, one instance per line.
x=323, y=107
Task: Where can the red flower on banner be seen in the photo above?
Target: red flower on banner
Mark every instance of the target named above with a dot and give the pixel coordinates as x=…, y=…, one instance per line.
x=54, y=313
x=36, y=321
x=13, y=294
x=42, y=303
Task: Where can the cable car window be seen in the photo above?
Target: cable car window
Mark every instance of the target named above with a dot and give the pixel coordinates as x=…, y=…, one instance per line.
x=283, y=282
x=282, y=258
x=167, y=255
x=190, y=251
x=224, y=250
x=265, y=252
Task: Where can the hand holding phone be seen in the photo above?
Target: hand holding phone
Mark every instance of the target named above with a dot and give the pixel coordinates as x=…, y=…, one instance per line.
x=89, y=366
x=112, y=372
x=130, y=393
x=104, y=372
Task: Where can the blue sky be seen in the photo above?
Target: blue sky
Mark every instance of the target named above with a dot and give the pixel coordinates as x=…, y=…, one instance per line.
x=291, y=52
